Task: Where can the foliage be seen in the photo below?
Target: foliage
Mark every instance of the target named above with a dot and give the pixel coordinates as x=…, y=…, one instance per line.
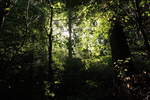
x=91, y=73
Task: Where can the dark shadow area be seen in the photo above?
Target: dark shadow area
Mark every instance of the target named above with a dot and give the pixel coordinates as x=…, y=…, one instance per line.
x=74, y=50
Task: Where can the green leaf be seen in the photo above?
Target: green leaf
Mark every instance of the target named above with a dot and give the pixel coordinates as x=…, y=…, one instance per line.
x=7, y=9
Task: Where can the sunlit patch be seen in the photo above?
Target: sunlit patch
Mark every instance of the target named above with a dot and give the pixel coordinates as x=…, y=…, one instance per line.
x=129, y=86
x=65, y=33
x=144, y=72
x=127, y=78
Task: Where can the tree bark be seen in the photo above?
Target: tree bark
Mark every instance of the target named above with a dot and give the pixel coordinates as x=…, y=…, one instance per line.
x=50, y=45
x=70, y=49
x=27, y=16
x=119, y=46
x=120, y=53
x=50, y=70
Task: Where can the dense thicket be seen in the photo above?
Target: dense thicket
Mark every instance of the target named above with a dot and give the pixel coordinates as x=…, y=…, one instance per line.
x=74, y=49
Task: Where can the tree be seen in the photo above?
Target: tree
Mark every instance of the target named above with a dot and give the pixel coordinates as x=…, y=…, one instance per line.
x=140, y=25
x=70, y=48
x=71, y=6
x=74, y=49
x=119, y=46
x=50, y=42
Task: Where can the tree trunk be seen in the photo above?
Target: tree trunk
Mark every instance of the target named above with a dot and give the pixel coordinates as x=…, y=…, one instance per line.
x=120, y=53
x=119, y=46
x=50, y=70
x=50, y=45
x=70, y=49
x=27, y=16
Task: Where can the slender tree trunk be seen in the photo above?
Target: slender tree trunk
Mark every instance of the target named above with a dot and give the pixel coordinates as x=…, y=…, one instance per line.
x=50, y=45
x=140, y=26
x=70, y=49
x=30, y=80
x=27, y=16
x=50, y=73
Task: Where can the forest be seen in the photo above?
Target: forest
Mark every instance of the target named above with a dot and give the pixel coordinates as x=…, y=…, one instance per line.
x=74, y=49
